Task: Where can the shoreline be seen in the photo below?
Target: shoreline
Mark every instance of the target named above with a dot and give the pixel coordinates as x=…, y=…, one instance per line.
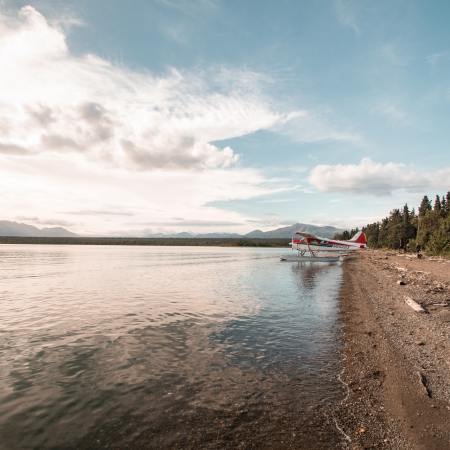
x=396, y=362
x=179, y=241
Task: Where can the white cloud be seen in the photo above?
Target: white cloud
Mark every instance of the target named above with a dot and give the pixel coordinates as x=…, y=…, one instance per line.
x=437, y=58
x=346, y=14
x=45, y=222
x=191, y=8
x=392, y=111
x=391, y=53
x=74, y=129
x=95, y=200
x=97, y=145
x=375, y=178
x=309, y=127
x=58, y=102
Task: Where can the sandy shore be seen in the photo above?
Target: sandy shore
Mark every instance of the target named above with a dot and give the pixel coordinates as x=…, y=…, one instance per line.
x=396, y=360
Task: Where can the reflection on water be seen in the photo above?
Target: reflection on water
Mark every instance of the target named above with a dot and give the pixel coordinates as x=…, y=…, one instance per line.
x=165, y=347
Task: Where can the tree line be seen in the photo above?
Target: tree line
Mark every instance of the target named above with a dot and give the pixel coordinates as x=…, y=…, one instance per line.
x=427, y=230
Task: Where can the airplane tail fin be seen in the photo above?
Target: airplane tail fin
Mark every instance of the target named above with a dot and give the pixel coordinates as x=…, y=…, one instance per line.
x=359, y=237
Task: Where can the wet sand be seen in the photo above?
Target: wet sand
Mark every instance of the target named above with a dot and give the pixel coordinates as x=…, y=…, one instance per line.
x=396, y=360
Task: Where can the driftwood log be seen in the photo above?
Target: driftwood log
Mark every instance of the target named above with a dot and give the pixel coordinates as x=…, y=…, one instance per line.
x=414, y=305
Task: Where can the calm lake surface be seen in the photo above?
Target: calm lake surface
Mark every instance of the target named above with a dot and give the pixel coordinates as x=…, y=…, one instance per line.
x=166, y=347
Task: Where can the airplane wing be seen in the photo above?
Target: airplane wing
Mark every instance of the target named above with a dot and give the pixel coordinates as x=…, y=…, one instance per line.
x=305, y=235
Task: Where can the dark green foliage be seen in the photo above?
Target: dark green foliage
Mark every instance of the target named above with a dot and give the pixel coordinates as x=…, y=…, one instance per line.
x=425, y=206
x=437, y=204
x=429, y=230
x=444, y=207
x=373, y=234
x=346, y=235
x=409, y=229
x=439, y=242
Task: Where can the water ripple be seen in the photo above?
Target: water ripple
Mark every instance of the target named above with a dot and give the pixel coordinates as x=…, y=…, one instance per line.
x=165, y=347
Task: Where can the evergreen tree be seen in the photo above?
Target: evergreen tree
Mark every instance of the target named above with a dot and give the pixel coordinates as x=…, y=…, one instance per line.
x=439, y=242
x=372, y=234
x=425, y=206
x=430, y=228
x=405, y=215
x=444, y=207
x=437, y=204
x=426, y=225
x=408, y=231
x=383, y=234
x=395, y=235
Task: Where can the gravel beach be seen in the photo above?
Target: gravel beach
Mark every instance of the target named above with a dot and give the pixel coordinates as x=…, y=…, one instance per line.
x=396, y=361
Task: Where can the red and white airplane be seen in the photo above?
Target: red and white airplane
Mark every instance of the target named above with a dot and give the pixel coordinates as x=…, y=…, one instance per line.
x=307, y=242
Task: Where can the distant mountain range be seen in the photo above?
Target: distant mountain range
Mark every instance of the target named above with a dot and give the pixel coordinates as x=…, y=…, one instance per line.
x=278, y=233
x=287, y=232
x=8, y=228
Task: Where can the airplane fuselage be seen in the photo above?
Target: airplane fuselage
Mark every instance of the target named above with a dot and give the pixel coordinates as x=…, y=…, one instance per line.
x=326, y=245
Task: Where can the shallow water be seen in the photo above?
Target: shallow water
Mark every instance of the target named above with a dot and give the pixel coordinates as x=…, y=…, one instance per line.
x=166, y=347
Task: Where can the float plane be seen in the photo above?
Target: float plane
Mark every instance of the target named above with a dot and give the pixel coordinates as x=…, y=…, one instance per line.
x=309, y=242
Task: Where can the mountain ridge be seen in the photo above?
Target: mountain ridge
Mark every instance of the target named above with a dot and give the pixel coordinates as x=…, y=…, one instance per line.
x=286, y=232
x=326, y=231
x=17, y=229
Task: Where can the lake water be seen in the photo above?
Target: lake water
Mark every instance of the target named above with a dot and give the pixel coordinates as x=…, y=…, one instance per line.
x=166, y=347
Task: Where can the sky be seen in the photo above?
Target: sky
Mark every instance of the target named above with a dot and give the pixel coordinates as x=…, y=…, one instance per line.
x=162, y=116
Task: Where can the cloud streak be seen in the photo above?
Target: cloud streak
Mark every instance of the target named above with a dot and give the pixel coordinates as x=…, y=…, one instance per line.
x=309, y=127
x=90, y=212
x=346, y=14
x=181, y=223
x=392, y=111
x=58, y=102
x=46, y=222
